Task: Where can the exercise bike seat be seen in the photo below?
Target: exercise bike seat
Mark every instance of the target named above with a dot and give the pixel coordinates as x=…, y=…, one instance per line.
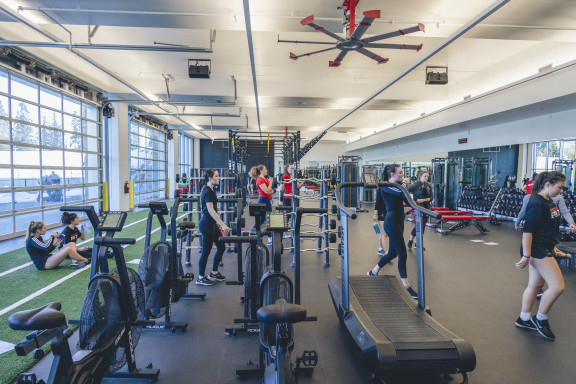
x=45, y=317
x=186, y=224
x=281, y=312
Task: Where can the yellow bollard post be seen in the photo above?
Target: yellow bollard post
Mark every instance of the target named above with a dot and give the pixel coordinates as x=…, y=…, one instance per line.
x=105, y=196
x=131, y=195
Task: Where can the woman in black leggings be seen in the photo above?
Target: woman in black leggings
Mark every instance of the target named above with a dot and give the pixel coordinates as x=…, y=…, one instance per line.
x=394, y=225
x=211, y=227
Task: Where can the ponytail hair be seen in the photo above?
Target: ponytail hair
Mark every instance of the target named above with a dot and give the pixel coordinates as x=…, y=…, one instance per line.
x=420, y=173
x=33, y=227
x=209, y=173
x=67, y=218
x=255, y=171
x=389, y=170
x=552, y=177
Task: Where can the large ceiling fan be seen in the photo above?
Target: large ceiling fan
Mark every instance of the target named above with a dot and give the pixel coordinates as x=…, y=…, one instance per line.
x=354, y=33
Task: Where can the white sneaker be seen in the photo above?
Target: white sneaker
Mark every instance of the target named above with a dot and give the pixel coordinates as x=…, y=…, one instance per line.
x=269, y=243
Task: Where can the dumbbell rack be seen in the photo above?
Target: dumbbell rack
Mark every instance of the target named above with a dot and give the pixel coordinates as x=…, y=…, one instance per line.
x=477, y=199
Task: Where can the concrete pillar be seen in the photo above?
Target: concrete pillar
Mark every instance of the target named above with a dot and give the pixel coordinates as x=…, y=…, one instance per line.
x=172, y=159
x=119, y=157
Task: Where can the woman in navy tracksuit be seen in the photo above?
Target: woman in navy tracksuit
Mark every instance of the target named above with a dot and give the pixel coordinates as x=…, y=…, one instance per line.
x=39, y=249
x=211, y=227
x=394, y=225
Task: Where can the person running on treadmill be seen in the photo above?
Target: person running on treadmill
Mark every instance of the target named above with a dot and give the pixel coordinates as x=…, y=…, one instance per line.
x=379, y=216
x=422, y=192
x=537, y=249
x=211, y=227
x=394, y=226
x=39, y=249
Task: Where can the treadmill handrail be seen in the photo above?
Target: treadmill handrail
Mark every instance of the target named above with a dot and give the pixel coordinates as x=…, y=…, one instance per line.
x=409, y=199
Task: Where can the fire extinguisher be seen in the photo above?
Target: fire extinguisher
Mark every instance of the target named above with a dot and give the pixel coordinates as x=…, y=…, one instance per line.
x=127, y=187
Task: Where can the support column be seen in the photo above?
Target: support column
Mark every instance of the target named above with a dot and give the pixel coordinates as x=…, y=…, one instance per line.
x=119, y=157
x=172, y=159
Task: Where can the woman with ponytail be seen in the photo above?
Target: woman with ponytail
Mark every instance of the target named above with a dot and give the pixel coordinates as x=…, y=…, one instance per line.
x=422, y=192
x=71, y=233
x=265, y=191
x=211, y=227
x=540, y=235
x=394, y=225
x=39, y=249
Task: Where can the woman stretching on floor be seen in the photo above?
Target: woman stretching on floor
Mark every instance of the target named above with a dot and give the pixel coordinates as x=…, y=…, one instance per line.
x=541, y=226
x=39, y=250
x=394, y=225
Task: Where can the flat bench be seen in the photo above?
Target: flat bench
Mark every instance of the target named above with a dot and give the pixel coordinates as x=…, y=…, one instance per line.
x=462, y=222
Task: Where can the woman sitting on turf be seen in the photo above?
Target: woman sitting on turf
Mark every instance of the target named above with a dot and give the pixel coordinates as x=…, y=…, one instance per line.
x=71, y=233
x=39, y=250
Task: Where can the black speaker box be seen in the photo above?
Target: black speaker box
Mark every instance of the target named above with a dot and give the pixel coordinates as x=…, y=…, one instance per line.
x=437, y=78
x=199, y=71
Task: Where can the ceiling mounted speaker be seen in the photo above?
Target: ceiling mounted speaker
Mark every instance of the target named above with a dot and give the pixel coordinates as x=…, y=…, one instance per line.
x=196, y=70
x=437, y=75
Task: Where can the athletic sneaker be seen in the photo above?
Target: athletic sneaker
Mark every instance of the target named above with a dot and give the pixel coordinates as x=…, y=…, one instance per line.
x=381, y=252
x=203, y=280
x=269, y=243
x=525, y=324
x=543, y=328
x=77, y=265
x=412, y=293
x=409, y=245
x=252, y=232
x=371, y=273
x=217, y=276
x=416, y=247
x=286, y=235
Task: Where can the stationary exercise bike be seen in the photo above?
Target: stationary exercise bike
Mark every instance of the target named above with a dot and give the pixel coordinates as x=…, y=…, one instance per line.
x=277, y=315
x=107, y=336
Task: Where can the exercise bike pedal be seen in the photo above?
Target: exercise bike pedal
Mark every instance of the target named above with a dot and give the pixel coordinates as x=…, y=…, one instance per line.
x=309, y=358
x=29, y=378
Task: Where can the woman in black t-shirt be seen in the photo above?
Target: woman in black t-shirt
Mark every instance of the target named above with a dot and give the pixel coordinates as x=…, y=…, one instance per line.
x=72, y=233
x=211, y=227
x=422, y=192
x=379, y=216
x=540, y=235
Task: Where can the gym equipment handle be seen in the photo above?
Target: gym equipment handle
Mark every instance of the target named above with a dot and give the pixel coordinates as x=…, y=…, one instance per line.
x=312, y=210
x=238, y=239
x=107, y=241
x=77, y=208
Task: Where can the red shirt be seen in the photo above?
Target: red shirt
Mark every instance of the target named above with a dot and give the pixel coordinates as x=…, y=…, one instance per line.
x=264, y=181
x=529, y=186
x=287, y=186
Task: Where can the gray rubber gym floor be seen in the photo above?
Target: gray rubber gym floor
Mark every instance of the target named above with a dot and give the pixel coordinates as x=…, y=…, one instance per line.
x=473, y=289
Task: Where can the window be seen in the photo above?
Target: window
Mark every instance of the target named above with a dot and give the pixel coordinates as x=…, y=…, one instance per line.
x=148, y=166
x=50, y=152
x=184, y=153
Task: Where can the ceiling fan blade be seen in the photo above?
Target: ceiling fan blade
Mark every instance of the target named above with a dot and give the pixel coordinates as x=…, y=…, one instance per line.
x=338, y=60
x=306, y=42
x=310, y=21
x=400, y=32
x=367, y=20
x=296, y=57
x=372, y=55
x=413, y=47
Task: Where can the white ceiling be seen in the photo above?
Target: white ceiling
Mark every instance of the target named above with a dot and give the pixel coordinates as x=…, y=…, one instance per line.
x=306, y=94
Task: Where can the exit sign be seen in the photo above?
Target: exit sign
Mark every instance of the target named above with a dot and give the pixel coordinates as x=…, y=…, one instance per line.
x=463, y=141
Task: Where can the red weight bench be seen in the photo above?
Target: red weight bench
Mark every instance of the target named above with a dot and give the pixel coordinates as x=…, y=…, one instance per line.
x=462, y=222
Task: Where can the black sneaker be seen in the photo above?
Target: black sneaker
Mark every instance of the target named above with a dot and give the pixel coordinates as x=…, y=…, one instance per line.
x=409, y=245
x=77, y=265
x=416, y=247
x=540, y=293
x=370, y=273
x=412, y=293
x=543, y=328
x=203, y=280
x=525, y=324
x=217, y=276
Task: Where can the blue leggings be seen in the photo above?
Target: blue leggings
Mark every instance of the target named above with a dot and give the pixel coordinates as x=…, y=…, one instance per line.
x=268, y=202
x=397, y=248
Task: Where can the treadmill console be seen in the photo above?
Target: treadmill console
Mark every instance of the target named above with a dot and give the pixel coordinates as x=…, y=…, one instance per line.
x=255, y=209
x=113, y=221
x=370, y=180
x=277, y=221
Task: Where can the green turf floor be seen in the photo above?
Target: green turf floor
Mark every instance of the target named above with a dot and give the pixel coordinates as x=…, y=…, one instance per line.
x=70, y=293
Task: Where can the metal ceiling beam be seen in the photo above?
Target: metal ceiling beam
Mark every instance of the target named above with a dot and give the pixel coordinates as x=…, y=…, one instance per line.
x=29, y=24
x=186, y=103
x=121, y=47
x=186, y=114
x=465, y=28
x=252, y=64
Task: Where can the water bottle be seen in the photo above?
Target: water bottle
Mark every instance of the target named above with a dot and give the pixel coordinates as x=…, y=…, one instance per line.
x=376, y=228
x=85, y=228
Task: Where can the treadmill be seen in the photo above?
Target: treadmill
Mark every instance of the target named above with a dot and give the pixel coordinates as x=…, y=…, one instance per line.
x=394, y=332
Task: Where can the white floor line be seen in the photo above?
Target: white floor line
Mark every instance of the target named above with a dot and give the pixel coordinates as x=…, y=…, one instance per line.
x=80, y=243
x=477, y=241
x=491, y=244
x=58, y=282
x=5, y=347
